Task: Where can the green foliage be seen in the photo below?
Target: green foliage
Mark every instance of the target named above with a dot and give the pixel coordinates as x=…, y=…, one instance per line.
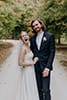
x=9, y=18
x=54, y=15
x=15, y=15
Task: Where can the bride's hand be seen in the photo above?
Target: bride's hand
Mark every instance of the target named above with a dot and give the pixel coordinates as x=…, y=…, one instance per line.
x=36, y=59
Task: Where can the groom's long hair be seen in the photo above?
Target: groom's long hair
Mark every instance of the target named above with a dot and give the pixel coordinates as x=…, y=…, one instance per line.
x=43, y=26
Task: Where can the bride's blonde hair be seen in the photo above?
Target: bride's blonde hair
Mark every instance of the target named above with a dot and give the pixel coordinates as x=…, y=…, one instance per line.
x=22, y=33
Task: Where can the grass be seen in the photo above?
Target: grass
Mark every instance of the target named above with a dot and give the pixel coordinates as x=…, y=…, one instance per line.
x=64, y=63
x=62, y=50
x=4, y=50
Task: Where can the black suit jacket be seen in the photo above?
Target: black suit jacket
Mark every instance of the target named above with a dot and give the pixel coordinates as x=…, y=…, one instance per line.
x=46, y=52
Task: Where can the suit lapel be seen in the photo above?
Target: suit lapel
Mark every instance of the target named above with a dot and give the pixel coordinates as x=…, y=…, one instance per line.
x=35, y=43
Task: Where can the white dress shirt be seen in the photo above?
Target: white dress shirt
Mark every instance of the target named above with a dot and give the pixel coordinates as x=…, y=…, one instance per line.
x=39, y=39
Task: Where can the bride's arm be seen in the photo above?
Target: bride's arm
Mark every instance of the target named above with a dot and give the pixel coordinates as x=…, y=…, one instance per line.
x=22, y=56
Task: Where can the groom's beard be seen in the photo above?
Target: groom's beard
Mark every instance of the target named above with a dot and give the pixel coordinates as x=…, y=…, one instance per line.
x=38, y=29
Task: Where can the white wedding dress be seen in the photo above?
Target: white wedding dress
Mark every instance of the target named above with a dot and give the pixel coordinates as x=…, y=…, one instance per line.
x=27, y=87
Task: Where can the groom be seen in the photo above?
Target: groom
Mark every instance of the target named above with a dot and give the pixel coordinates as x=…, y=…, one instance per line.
x=43, y=47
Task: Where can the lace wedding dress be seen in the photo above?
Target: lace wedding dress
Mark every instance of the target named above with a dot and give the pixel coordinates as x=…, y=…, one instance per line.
x=27, y=87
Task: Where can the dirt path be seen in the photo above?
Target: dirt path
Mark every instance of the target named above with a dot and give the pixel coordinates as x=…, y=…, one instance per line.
x=10, y=75
x=59, y=81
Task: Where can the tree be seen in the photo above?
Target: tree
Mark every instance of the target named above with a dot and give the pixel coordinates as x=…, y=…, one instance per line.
x=54, y=15
x=9, y=16
x=16, y=15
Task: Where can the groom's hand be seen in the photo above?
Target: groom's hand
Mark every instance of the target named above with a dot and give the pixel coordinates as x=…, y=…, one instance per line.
x=45, y=73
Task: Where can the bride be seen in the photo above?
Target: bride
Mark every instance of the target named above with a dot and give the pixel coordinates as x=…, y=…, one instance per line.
x=27, y=89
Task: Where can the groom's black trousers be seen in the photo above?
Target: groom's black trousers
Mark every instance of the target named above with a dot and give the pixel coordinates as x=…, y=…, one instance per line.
x=43, y=84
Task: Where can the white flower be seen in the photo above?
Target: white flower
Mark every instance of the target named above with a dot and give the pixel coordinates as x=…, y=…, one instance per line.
x=44, y=39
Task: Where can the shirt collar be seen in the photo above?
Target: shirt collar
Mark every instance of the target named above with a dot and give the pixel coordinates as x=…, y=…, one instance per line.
x=40, y=34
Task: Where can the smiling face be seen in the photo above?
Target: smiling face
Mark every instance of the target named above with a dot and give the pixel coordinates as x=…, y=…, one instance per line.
x=37, y=27
x=24, y=37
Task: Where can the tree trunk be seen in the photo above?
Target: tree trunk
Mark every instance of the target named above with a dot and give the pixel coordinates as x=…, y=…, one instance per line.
x=59, y=39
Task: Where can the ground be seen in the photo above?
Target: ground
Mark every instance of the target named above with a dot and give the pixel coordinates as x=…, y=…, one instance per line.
x=62, y=54
x=10, y=75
